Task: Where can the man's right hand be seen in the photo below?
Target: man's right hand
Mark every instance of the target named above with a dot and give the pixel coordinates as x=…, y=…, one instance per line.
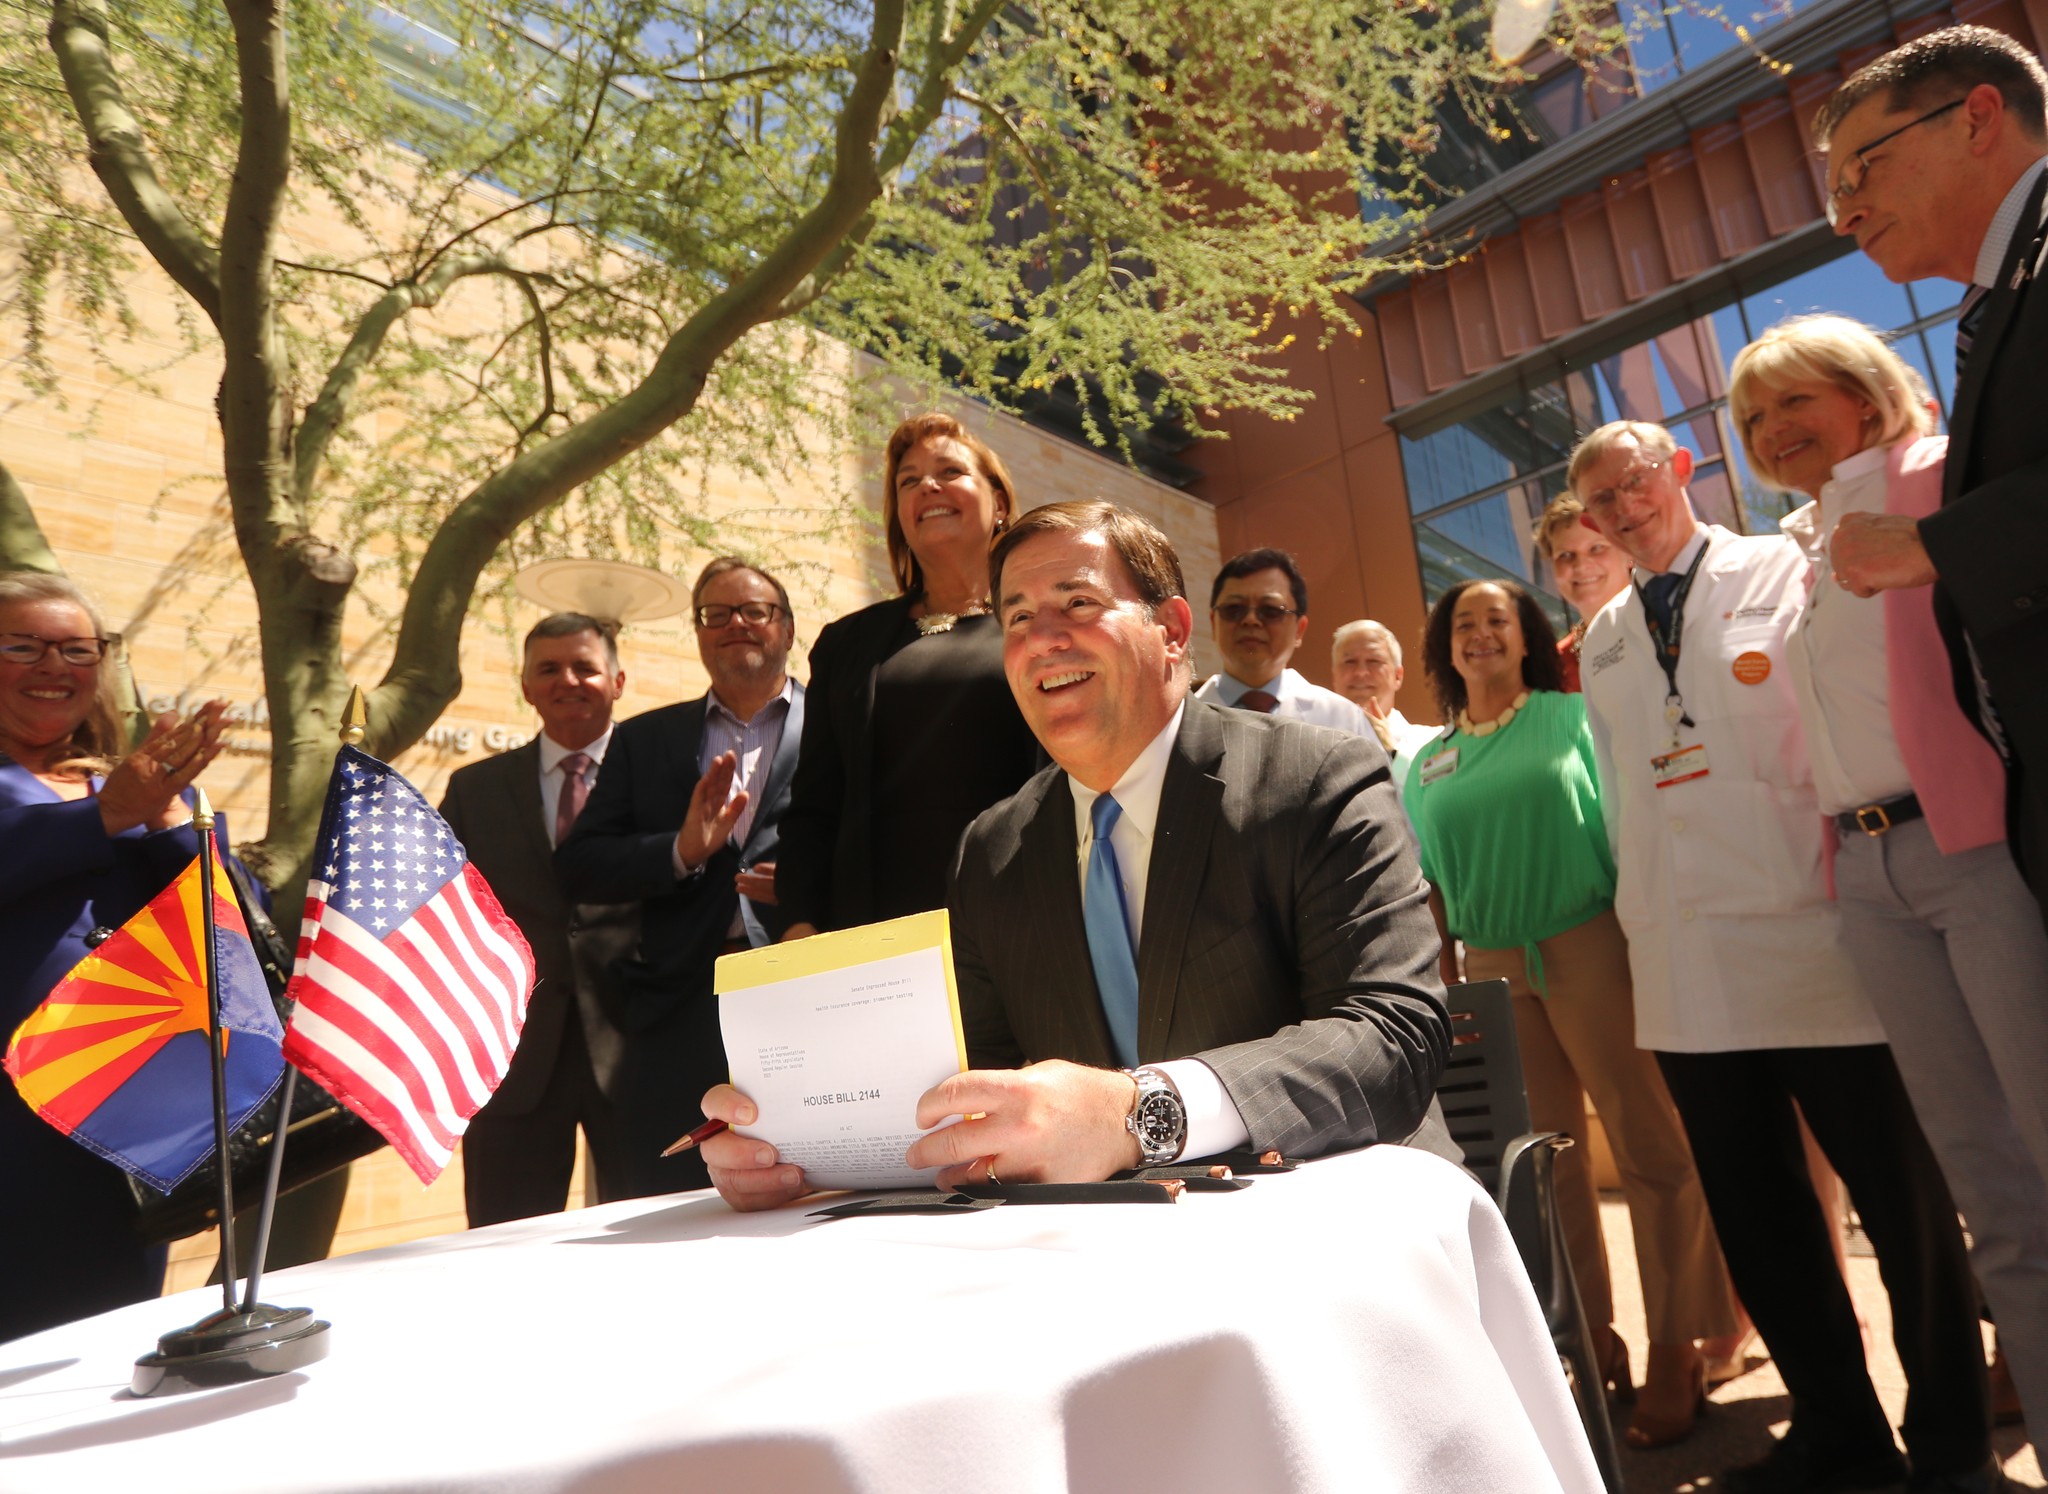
x=747, y=1173
x=708, y=822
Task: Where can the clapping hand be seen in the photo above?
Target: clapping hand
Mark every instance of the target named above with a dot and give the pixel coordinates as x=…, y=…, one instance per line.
x=144, y=787
x=708, y=822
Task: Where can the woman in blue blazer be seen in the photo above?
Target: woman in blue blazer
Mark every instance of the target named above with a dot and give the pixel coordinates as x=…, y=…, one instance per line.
x=88, y=835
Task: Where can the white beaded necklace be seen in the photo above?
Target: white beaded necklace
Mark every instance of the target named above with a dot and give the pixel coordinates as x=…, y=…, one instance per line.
x=1488, y=728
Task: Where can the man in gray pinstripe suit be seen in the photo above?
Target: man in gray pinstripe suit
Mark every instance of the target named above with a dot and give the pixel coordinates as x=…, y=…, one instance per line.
x=1285, y=961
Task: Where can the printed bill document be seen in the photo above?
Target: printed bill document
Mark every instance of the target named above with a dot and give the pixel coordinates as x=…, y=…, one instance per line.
x=836, y=1036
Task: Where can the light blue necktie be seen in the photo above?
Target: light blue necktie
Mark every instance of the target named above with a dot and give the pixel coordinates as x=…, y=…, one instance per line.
x=1109, y=934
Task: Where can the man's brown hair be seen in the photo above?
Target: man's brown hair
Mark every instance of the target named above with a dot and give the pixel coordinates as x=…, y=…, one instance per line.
x=1146, y=552
x=1942, y=65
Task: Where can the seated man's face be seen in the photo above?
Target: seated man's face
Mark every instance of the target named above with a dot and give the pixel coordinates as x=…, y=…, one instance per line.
x=1095, y=672
x=1256, y=626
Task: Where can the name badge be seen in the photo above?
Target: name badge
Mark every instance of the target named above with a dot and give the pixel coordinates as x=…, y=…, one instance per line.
x=1441, y=766
x=1682, y=766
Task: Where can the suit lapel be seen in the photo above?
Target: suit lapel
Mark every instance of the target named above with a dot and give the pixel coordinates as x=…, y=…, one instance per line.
x=529, y=809
x=1055, y=926
x=686, y=744
x=1189, y=804
x=2001, y=308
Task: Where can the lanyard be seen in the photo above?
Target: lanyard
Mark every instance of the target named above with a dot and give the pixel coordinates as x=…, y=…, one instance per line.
x=1667, y=649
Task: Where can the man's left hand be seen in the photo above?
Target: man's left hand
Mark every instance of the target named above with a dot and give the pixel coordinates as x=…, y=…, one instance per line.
x=1054, y=1122
x=1879, y=552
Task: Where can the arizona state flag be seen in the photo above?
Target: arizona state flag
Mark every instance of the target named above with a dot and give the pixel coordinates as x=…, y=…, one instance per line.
x=115, y=1057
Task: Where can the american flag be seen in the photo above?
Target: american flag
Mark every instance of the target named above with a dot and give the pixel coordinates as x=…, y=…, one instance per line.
x=411, y=982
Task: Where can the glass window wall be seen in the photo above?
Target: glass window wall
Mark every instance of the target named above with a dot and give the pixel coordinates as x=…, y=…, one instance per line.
x=1476, y=487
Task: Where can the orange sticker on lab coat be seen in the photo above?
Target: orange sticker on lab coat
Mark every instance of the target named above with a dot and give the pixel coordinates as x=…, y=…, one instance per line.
x=1752, y=668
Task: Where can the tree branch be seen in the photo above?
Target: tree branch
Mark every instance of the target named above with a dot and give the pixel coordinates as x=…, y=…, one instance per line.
x=120, y=159
x=330, y=407
x=425, y=666
x=22, y=546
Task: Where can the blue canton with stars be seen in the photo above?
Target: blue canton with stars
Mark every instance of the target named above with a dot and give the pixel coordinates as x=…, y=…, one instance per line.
x=384, y=851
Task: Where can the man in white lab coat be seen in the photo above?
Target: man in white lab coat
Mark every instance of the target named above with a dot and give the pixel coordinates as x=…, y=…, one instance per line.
x=1742, y=993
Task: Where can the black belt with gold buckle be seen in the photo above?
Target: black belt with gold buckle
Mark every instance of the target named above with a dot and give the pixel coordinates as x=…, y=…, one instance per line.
x=1874, y=819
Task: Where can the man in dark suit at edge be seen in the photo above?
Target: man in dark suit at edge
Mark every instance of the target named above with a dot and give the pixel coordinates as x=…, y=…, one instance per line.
x=509, y=811
x=685, y=822
x=1236, y=949
x=1935, y=164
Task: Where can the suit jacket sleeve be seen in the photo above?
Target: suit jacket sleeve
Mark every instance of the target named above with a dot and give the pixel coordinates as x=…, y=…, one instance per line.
x=809, y=828
x=607, y=858
x=1990, y=548
x=1362, y=1064
x=991, y=1044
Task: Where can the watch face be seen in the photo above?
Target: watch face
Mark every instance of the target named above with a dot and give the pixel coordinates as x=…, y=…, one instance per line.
x=1160, y=1121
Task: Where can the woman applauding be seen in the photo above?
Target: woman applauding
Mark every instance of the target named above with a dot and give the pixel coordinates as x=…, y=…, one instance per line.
x=88, y=835
x=1506, y=805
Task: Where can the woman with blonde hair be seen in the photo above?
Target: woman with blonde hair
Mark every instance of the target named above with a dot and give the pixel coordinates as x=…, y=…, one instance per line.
x=90, y=831
x=1942, y=931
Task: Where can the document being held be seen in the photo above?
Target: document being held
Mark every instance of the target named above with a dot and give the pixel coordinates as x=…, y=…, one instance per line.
x=834, y=1038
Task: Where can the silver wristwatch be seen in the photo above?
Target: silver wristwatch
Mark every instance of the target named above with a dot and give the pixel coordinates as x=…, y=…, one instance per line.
x=1158, y=1118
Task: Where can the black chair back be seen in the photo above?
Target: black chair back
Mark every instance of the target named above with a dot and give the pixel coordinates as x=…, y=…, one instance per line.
x=1485, y=1102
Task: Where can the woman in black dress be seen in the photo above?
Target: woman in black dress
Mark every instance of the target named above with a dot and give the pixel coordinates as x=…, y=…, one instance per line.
x=910, y=730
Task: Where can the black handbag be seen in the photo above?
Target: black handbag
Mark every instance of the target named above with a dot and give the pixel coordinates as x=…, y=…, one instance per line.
x=323, y=1134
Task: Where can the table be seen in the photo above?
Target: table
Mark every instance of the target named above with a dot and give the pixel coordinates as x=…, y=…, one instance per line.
x=1361, y=1324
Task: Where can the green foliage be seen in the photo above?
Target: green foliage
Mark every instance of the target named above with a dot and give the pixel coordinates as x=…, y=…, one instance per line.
x=535, y=270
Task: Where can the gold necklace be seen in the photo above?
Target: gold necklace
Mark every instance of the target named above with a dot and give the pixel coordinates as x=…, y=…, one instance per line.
x=942, y=622
x=1488, y=728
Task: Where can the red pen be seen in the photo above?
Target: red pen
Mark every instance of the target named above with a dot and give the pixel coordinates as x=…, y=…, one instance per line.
x=696, y=1138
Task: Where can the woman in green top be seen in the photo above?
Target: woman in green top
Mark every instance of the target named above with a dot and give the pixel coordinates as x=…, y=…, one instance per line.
x=1506, y=804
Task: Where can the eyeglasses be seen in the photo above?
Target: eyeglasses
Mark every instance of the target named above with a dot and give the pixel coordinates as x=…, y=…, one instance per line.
x=1236, y=612
x=754, y=614
x=27, y=649
x=1628, y=487
x=1858, y=170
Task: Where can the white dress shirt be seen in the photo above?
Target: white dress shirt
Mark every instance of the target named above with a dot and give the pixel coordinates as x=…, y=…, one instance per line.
x=1213, y=1122
x=1299, y=700
x=552, y=777
x=2004, y=224
x=1837, y=656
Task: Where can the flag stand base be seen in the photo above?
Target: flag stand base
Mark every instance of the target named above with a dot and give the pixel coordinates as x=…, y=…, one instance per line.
x=229, y=1347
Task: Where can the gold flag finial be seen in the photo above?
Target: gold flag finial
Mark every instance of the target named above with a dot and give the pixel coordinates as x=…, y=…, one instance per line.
x=356, y=718
x=202, y=813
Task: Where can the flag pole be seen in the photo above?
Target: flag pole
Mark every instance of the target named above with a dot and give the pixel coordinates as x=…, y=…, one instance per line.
x=252, y=1340
x=202, y=821
x=355, y=721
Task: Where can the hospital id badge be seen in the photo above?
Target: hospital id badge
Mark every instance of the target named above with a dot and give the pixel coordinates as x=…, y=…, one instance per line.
x=1681, y=766
x=1441, y=766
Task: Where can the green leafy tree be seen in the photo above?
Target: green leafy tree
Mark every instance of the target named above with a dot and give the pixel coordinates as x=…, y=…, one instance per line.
x=587, y=249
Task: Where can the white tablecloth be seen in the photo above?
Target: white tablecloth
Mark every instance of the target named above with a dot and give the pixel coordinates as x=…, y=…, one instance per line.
x=1362, y=1324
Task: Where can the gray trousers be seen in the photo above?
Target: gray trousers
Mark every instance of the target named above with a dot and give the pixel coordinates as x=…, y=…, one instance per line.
x=1952, y=953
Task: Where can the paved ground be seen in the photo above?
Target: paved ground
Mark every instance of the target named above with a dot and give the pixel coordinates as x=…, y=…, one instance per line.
x=1743, y=1414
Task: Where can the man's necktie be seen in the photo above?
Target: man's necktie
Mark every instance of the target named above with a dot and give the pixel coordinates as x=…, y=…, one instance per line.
x=1109, y=934
x=1658, y=592
x=1257, y=700
x=575, y=791
x=1966, y=323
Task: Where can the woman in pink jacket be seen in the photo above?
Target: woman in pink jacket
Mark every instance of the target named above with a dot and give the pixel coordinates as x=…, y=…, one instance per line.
x=1946, y=937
